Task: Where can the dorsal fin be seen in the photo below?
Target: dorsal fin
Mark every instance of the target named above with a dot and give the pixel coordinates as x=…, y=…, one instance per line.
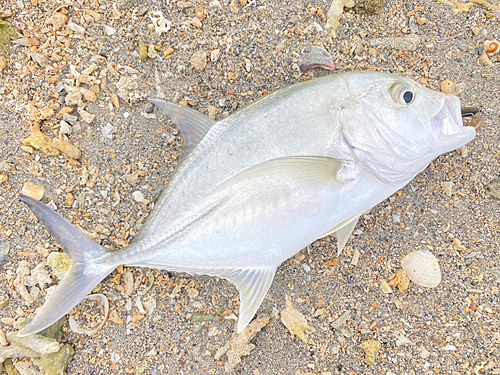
x=192, y=124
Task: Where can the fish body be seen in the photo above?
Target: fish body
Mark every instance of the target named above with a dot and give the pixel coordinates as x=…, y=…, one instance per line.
x=255, y=188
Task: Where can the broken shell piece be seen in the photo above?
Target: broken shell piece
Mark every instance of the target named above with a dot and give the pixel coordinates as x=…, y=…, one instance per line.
x=423, y=268
x=161, y=24
x=315, y=57
x=151, y=280
x=214, y=55
x=100, y=298
x=477, y=121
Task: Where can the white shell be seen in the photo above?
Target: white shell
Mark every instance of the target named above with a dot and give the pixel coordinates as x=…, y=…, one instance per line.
x=423, y=268
x=75, y=327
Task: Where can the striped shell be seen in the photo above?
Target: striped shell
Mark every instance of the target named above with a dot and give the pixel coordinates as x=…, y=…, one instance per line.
x=423, y=268
x=491, y=46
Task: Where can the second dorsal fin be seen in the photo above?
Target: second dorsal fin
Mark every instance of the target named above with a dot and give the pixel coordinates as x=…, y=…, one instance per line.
x=192, y=124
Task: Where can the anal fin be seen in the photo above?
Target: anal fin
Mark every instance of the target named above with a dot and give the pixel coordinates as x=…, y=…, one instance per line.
x=252, y=283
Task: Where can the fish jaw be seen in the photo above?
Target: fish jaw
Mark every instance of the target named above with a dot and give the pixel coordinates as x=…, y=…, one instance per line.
x=448, y=128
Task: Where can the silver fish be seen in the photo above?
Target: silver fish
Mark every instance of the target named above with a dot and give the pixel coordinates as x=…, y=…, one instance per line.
x=255, y=188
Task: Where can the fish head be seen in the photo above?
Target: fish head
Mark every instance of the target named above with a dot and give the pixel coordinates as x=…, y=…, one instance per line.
x=396, y=127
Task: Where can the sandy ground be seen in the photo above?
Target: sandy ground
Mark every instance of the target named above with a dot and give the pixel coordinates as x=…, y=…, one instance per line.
x=451, y=329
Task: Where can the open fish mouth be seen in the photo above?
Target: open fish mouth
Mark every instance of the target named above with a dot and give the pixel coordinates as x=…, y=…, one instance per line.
x=447, y=124
x=449, y=119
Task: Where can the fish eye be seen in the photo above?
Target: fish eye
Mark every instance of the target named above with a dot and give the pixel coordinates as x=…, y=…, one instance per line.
x=402, y=93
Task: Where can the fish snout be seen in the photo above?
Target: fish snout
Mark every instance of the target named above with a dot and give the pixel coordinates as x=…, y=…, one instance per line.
x=448, y=127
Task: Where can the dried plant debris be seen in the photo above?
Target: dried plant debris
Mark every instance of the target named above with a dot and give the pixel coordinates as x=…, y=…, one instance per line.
x=407, y=43
x=401, y=280
x=143, y=50
x=43, y=348
x=369, y=7
x=7, y=33
x=315, y=57
x=295, y=321
x=459, y=6
x=59, y=262
x=240, y=344
x=335, y=13
x=340, y=325
x=371, y=348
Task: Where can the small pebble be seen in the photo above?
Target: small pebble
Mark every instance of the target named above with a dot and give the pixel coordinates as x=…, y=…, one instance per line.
x=70, y=118
x=67, y=148
x=114, y=358
x=65, y=128
x=485, y=60
x=106, y=131
x=86, y=116
x=70, y=199
x=197, y=328
x=199, y=60
x=32, y=190
x=90, y=96
x=3, y=63
x=138, y=196
x=447, y=187
x=73, y=98
x=424, y=354
x=214, y=55
x=109, y=30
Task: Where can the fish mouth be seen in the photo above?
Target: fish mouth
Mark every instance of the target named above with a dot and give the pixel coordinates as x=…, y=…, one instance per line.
x=447, y=124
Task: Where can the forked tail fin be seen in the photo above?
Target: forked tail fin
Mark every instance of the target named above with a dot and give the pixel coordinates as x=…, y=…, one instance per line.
x=89, y=267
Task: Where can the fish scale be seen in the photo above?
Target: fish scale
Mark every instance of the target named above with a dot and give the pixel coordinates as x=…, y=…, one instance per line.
x=253, y=189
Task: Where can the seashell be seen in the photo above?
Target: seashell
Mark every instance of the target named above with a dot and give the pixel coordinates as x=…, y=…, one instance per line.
x=99, y=298
x=448, y=87
x=315, y=57
x=423, y=268
x=491, y=46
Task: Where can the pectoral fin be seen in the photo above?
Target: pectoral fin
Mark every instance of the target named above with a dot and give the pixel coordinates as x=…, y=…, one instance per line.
x=309, y=171
x=192, y=124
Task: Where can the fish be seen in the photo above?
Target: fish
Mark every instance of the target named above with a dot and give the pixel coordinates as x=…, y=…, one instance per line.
x=253, y=189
